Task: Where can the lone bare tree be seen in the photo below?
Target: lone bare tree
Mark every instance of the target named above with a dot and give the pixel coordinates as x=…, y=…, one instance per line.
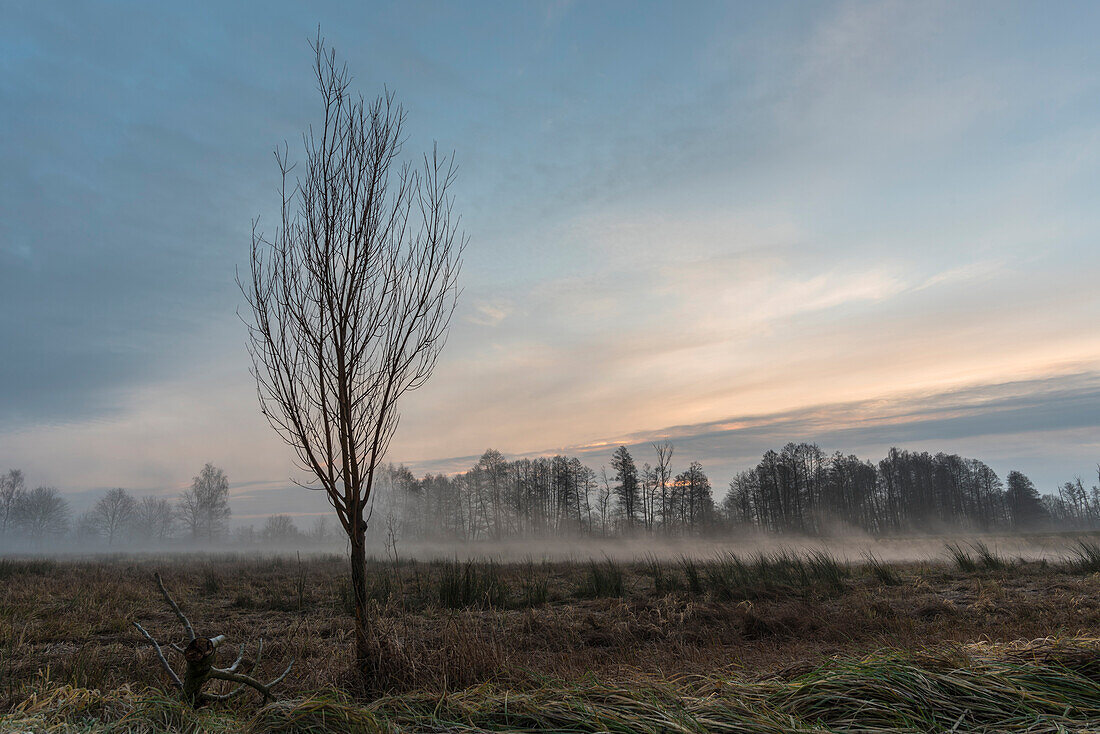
x=351, y=299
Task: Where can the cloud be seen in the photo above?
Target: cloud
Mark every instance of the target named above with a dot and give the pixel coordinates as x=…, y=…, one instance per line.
x=488, y=313
x=1032, y=425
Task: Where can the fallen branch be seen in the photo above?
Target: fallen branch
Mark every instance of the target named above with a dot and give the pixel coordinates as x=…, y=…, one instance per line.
x=199, y=654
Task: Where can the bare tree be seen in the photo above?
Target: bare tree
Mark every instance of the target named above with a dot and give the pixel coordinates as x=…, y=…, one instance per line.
x=279, y=529
x=113, y=513
x=663, y=473
x=41, y=512
x=153, y=518
x=85, y=528
x=204, y=508
x=351, y=299
x=318, y=533
x=603, y=501
x=11, y=486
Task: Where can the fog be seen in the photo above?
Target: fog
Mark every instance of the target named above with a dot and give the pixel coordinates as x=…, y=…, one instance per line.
x=506, y=512
x=852, y=548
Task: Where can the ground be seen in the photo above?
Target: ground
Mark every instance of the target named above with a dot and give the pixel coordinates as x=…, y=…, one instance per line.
x=444, y=628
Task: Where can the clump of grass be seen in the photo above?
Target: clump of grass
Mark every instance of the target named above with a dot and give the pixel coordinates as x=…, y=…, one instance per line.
x=962, y=560
x=881, y=571
x=70, y=708
x=978, y=688
x=692, y=576
x=731, y=577
x=665, y=580
x=536, y=587
x=1084, y=557
x=603, y=580
x=211, y=583
x=988, y=559
x=465, y=585
x=984, y=558
x=824, y=570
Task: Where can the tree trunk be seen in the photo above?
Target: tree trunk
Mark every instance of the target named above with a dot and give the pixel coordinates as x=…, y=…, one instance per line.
x=359, y=591
x=200, y=659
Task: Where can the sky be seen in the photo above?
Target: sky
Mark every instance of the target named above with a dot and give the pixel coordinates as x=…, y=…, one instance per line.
x=729, y=225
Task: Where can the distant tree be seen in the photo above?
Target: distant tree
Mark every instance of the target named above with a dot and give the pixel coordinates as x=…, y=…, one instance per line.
x=1025, y=507
x=204, y=508
x=85, y=528
x=246, y=535
x=627, y=485
x=649, y=495
x=488, y=479
x=603, y=500
x=662, y=475
x=153, y=518
x=319, y=531
x=113, y=513
x=737, y=502
x=279, y=529
x=41, y=513
x=11, y=486
x=1077, y=509
x=697, y=500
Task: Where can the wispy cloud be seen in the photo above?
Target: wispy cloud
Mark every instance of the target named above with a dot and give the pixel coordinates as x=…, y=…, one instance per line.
x=1033, y=425
x=488, y=314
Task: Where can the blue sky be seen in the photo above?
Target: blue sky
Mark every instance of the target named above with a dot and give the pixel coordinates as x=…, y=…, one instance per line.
x=734, y=224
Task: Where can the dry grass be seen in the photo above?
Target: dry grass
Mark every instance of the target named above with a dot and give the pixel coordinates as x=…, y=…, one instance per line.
x=472, y=635
x=1049, y=685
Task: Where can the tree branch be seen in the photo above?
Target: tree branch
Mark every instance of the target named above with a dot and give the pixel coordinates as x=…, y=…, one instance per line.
x=160, y=655
x=175, y=608
x=247, y=680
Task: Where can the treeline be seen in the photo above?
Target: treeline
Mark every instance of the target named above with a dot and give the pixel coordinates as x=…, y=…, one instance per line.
x=802, y=490
x=799, y=489
x=550, y=496
x=42, y=517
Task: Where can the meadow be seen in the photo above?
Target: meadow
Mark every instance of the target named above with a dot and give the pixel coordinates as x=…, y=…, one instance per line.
x=968, y=638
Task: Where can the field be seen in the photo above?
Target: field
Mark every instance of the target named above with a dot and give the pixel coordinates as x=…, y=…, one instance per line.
x=779, y=640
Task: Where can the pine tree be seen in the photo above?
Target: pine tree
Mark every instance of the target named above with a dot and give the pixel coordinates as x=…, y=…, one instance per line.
x=626, y=489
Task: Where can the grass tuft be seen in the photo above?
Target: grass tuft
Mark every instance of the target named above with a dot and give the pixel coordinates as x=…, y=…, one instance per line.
x=603, y=580
x=988, y=559
x=984, y=558
x=1084, y=557
x=469, y=584
x=881, y=571
x=962, y=560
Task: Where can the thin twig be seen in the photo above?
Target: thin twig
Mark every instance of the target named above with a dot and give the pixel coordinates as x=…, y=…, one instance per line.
x=160, y=654
x=175, y=608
